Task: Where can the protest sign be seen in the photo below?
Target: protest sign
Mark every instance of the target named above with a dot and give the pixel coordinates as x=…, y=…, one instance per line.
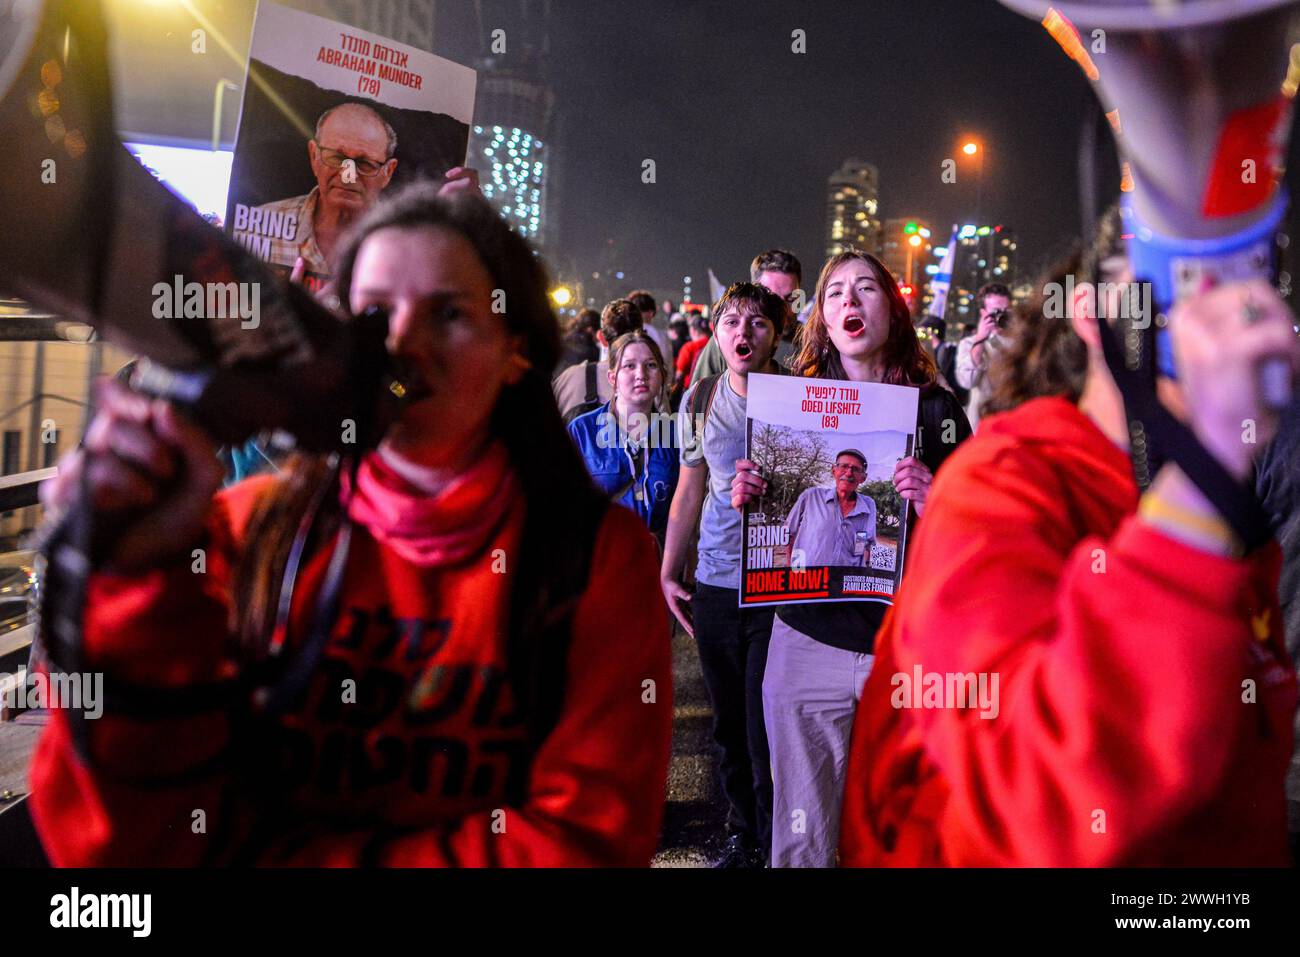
x=831, y=526
x=333, y=117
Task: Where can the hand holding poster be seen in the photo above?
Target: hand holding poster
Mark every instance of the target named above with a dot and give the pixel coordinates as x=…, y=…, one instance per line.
x=831, y=526
x=332, y=117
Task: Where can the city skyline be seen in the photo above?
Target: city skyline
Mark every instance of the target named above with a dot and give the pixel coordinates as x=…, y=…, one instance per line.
x=746, y=133
x=742, y=133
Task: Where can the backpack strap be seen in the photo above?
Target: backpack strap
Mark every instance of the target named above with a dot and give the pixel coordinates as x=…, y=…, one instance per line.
x=592, y=394
x=706, y=390
x=691, y=425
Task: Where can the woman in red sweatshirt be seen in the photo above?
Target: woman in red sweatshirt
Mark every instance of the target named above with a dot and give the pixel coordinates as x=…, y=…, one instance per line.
x=1073, y=676
x=479, y=693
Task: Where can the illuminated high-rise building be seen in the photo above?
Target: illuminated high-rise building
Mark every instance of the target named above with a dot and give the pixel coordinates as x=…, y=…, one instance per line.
x=507, y=42
x=513, y=114
x=852, y=208
x=514, y=161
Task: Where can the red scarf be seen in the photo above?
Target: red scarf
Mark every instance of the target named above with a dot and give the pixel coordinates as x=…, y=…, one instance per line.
x=441, y=529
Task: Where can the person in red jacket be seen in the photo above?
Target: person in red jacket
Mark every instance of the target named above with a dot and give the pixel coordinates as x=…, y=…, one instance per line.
x=1073, y=676
x=460, y=709
x=700, y=333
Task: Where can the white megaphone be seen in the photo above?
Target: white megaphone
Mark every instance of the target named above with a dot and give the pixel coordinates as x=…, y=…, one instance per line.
x=1199, y=96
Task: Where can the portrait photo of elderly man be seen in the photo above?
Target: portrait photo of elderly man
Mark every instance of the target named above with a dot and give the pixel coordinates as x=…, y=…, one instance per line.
x=835, y=525
x=352, y=156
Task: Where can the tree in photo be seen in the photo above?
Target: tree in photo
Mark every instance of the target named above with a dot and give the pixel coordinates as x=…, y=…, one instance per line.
x=889, y=504
x=791, y=462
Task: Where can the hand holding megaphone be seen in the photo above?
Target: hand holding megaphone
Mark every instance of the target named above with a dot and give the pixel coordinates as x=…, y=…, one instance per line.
x=1221, y=340
x=1199, y=96
x=150, y=474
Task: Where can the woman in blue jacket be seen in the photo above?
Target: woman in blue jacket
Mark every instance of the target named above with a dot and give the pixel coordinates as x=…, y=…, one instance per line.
x=630, y=444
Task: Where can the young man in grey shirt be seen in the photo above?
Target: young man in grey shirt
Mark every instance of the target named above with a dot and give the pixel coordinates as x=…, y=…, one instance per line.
x=781, y=272
x=732, y=641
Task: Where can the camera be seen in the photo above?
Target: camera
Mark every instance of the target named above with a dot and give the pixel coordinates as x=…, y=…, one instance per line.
x=1001, y=318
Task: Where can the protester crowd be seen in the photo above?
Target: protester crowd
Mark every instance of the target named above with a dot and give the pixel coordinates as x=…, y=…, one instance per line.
x=451, y=650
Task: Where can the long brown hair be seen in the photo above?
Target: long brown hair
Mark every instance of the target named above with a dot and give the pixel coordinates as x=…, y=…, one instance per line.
x=1042, y=354
x=906, y=362
x=553, y=479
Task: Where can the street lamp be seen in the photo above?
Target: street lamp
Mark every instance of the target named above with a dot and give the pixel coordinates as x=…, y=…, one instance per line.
x=562, y=296
x=974, y=148
x=913, y=242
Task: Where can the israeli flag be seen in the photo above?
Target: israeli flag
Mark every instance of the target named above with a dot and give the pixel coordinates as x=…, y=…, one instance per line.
x=716, y=288
x=943, y=279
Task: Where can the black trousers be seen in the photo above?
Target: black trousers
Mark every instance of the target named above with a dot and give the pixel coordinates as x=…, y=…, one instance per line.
x=733, y=655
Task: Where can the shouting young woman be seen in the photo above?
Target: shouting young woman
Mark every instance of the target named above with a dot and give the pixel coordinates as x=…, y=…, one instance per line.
x=819, y=656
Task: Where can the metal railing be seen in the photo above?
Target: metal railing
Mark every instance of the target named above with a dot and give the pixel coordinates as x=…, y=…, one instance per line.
x=17, y=629
x=20, y=489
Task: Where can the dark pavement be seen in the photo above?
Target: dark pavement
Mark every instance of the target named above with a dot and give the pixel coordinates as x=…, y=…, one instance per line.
x=696, y=810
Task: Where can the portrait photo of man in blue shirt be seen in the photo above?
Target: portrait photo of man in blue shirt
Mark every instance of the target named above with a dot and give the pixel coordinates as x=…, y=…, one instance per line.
x=835, y=525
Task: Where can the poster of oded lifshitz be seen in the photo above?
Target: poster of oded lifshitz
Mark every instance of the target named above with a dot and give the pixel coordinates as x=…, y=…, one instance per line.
x=831, y=526
x=333, y=118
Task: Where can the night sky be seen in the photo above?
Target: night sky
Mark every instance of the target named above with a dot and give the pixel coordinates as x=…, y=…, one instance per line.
x=744, y=132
